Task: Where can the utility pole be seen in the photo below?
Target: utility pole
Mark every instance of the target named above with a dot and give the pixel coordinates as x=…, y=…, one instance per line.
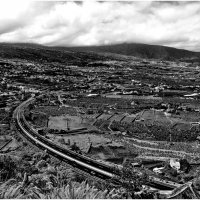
x=170, y=137
x=67, y=123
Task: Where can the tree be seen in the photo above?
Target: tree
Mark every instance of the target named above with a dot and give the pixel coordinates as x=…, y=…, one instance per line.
x=8, y=167
x=131, y=179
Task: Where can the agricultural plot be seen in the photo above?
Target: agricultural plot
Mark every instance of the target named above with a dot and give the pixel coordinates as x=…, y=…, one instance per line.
x=4, y=117
x=159, y=118
x=104, y=116
x=190, y=116
x=56, y=110
x=65, y=122
x=92, y=116
x=129, y=119
x=96, y=146
x=146, y=150
x=68, y=110
x=182, y=126
x=83, y=141
x=2, y=143
x=117, y=117
x=83, y=110
x=49, y=110
x=110, y=153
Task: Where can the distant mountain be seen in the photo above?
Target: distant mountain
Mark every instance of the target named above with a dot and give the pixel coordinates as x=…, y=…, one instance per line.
x=140, y=50
x=80, y=55
x=32, y=52
x=44, y=54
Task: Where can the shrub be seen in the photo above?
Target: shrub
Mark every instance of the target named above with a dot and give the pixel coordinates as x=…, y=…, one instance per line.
x=8, y=168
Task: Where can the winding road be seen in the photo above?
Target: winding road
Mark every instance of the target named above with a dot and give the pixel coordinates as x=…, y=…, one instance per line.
x=83, y=163
x=157, y=149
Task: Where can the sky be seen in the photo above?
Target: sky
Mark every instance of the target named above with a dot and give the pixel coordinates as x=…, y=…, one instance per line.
x=71, y=23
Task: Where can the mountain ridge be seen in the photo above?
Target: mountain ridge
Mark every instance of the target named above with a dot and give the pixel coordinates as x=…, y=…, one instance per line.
x=128, y=49
x=139, y=50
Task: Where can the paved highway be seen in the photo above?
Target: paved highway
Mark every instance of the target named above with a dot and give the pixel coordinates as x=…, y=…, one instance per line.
x=81, y=162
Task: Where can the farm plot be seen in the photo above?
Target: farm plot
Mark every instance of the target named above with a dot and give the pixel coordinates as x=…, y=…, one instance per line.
x=129, y=119
x=91, y=116
x=56, y=110
x=158, y=117
x=104, y=116
x=65, y=122
x=117, y=117
x=98, y=147
x=68, y=122
x=83, y=141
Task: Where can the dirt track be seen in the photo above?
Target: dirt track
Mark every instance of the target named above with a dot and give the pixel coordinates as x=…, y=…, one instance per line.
x=161, y=150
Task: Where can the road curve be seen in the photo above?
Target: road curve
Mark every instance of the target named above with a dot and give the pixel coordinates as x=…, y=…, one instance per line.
x=78, y=161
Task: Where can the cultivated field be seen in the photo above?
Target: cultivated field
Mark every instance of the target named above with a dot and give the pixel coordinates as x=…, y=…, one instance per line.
x=65, y=122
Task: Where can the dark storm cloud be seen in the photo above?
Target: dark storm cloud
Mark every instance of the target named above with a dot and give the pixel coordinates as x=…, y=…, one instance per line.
x=93, y=23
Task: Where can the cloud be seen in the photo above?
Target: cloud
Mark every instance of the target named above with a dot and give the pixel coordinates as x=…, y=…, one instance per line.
x=70, y=23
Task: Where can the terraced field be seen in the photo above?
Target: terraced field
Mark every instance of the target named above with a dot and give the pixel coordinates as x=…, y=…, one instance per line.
x=56, y=110
x=162, y=118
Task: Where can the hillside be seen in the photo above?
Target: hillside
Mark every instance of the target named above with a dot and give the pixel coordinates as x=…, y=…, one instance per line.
x=44, y=54
x=141, y=50
x=79, y=55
